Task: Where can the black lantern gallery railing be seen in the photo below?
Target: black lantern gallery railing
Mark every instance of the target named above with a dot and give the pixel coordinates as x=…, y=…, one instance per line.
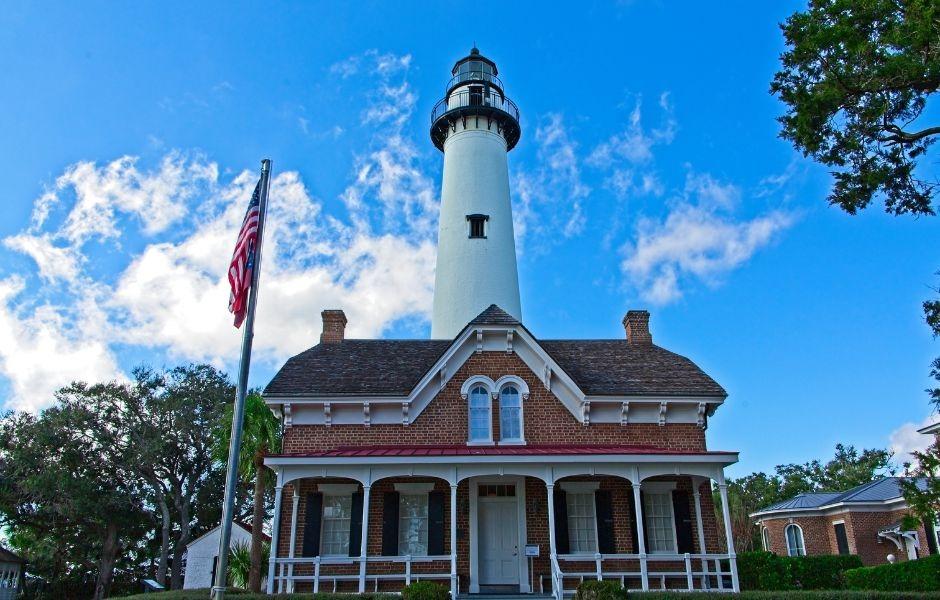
x=484, y=102
x=471, y=76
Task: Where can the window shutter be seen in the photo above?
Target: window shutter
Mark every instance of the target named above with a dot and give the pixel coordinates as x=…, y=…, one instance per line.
x=646, y=529
x=435, y=523
x=390, y=524
x=562, y=545
x=634, y=539
x=603, y=508
x=312, y=519
x=355, y=525
x=931, y=537
x=683, y=517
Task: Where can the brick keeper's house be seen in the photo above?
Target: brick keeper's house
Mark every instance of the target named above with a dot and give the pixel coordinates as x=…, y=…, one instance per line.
x=485, y=458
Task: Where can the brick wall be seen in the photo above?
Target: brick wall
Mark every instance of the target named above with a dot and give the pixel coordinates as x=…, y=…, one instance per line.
x=444, y=420
x=861, y=529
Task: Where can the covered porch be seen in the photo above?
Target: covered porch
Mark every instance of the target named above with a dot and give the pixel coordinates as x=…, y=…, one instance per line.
x=523, y=519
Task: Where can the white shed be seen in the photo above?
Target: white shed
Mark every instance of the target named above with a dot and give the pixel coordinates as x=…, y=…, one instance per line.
x=202, y=555
x=11, y=573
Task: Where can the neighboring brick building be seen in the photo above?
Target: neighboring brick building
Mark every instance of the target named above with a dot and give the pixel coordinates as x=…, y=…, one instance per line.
x=491, y=460
x=866, y=520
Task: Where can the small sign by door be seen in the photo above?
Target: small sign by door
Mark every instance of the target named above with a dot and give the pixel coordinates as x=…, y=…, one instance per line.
x=531, y=550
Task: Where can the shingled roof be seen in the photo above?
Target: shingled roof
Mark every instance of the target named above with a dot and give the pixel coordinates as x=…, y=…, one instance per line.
x=880, y=490
x=394, y=367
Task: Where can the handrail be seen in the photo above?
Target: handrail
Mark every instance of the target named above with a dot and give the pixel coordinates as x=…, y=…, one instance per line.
x=474, y=76
x=686, y=572
x=464, y=99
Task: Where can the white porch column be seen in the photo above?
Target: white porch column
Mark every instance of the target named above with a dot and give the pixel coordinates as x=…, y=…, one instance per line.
x=726, y=514
x=293, y=535
x=552, y=553
x=275, y=531
x=364, y=542
x=696, y=484
x=453, y=541
x=640, y=536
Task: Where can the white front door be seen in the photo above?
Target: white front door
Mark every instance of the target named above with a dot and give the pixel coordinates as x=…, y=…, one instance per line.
x=499, y=541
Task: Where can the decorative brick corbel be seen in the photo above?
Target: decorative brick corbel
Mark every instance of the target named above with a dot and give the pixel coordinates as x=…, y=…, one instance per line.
x=509, y=333
x=405, y=420
x=547, y=377
x=327, y=416
x=479, y=340
x=662, y=413
x=586, y=412
x=701, y=415
x=288, y=417
x=624, y=413
x=366, y=414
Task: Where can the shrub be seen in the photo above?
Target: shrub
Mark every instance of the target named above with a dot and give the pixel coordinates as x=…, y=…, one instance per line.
x=913, y=575
x=600, y=590
x=767, y=571
x=425, y=590
x=792, y=595
x=822, y=572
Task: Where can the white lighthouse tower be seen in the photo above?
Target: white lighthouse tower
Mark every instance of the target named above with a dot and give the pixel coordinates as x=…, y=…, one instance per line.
x=475, y=125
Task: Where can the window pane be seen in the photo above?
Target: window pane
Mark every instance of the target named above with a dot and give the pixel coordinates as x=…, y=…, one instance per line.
x=660, y=530
x=510, y=414
x=413, y=524
x=795, y=541
x=582, y=530
x=337, y=512
x=479, y=415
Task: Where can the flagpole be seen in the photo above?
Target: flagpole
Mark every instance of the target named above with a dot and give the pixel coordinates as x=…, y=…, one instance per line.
x=231, y=473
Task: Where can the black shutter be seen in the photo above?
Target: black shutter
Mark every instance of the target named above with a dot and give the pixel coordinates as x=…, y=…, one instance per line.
x=355, y=525
x=390, y=524
x=634, y=539
x=646, y=529
x=931, y=536
x=562, y=546
x=603, y=509
x=680, y=509
x=312, y=519
x=435, y=523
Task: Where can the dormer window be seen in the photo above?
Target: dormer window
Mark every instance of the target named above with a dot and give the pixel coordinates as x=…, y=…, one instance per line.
x=477, y=225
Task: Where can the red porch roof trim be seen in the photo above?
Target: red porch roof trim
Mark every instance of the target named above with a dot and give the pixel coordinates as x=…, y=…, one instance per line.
x=527, y=450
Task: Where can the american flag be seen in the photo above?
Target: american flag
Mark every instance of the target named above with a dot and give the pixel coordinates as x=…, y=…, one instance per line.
x=243, y=259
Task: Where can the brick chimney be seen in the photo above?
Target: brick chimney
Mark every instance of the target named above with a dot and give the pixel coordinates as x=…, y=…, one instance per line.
x=636, y=324
x=334, y=326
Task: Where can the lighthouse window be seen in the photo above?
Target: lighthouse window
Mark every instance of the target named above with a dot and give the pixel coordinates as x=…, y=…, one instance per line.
x=477, y=225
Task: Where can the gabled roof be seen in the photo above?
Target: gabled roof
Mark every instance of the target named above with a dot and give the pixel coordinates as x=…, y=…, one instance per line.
x=395, y=367
x=885, y=489
x=243, y=525
x=8, y=557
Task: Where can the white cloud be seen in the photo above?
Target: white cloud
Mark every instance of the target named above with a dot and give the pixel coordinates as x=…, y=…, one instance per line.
x=551, y=196
x=169, y=295
x=50, y=346
x=905, y=439
x=700, y=239
x=634, y=144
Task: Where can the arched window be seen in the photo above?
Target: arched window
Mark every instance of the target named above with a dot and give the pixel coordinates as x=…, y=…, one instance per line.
x=510, y=414
x=479, y=399
x=765, y=538
x=795, y=545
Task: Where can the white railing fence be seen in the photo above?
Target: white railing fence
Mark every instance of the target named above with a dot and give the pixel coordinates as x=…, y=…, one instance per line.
x=691, y=572
x=285, y=577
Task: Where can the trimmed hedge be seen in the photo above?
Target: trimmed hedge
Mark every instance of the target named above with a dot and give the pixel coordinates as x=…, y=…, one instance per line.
x=920, y=575
x=792, y=595
x=767, y=571
x=425, y=590
x=600, y=590
x=203, y=594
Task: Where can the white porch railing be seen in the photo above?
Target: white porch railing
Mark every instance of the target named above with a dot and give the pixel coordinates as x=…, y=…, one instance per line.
x=699, y=572
x=285, y=578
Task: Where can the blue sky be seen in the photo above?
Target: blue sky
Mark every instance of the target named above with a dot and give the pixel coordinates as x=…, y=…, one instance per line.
x=649, y=174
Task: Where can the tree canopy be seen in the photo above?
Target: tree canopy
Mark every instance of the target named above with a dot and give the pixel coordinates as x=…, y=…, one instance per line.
x=856, y=79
